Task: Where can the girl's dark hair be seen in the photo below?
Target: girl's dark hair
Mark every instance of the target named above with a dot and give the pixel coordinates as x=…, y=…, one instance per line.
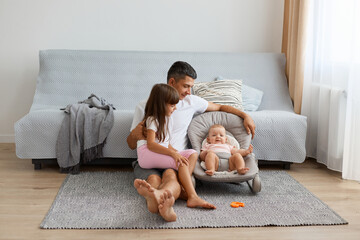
x=160, y=95
x=180, y=70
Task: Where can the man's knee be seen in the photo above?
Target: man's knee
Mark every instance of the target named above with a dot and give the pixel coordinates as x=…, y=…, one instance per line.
x=154, y=179
x=169, y=174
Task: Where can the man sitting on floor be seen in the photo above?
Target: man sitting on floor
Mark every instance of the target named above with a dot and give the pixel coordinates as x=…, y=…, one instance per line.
x=161, y=188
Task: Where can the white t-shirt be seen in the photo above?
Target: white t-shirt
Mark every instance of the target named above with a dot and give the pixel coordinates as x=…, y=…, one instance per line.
x=153, y=124
x=185, y=110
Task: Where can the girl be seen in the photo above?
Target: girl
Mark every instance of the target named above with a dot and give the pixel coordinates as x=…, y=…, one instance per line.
x=156, y=151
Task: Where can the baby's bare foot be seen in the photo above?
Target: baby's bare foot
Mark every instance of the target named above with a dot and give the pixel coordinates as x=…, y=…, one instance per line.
x=166, y=204
x=198, y=202
x=242, y=171
x=210, y=172
x=250, y=149
x=149, y=193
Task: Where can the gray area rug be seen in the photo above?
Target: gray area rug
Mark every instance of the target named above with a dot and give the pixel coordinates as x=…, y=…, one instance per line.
x=102, y=200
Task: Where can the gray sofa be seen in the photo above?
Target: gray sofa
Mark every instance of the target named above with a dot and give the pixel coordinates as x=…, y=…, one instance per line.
x=124, y=78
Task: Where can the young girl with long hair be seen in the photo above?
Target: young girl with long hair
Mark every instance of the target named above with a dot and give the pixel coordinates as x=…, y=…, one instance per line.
x=156, y=151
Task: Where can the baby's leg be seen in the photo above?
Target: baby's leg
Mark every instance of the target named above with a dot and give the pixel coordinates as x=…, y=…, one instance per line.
x=245, y=152
x=211, y=163
x=236, y=162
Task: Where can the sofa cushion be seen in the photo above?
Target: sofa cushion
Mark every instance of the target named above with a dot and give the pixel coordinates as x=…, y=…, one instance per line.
x=251, y=97
x=38, y=130
x=224, y=92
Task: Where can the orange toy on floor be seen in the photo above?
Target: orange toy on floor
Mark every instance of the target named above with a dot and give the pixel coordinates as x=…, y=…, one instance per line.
x=237, y=204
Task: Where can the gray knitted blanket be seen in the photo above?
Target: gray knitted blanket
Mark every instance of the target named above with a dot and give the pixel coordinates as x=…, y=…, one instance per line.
x=83, y=133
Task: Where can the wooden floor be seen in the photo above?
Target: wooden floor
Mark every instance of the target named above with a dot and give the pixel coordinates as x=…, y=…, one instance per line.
x=26, y=196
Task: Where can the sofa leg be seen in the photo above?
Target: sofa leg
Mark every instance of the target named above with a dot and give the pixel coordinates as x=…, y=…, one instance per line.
x=286, y=166
x=37, y=166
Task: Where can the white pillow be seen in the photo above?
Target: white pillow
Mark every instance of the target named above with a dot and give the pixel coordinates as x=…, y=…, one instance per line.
x=224, y=92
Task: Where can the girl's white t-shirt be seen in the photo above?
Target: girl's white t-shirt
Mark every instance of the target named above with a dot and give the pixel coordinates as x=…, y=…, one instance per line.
x=153, y=124
x=185, y=110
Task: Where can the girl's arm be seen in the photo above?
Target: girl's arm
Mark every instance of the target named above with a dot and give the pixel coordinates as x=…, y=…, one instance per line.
x=172, y=148
x=157, y=148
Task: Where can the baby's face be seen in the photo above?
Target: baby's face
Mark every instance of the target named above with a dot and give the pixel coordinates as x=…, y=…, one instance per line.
x=217, y=136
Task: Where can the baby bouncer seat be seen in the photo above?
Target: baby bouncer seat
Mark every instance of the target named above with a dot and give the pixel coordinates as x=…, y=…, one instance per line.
x=237, y=135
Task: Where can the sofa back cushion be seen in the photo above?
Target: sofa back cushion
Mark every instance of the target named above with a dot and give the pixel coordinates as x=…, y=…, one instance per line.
x=124, y=78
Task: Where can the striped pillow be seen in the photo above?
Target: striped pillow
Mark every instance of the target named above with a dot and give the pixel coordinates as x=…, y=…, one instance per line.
x=224, y=92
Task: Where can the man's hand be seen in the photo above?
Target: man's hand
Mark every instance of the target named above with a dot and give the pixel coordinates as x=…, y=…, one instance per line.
x=249, y=125
x=248, y=122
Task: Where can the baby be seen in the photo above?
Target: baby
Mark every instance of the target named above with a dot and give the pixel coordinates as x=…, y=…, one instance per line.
x=217, y=146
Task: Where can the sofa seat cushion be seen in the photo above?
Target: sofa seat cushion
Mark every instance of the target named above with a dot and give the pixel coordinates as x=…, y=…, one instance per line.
x=36, y=135
x=279, y=136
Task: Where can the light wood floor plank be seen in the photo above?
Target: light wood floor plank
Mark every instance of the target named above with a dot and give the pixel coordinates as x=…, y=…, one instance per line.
x=26, y=196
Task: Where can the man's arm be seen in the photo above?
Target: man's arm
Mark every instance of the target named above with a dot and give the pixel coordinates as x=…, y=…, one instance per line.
x=248, y=121
x=135, y=135
x=137, y=130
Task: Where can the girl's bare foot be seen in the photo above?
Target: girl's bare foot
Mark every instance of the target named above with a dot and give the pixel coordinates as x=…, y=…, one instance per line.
x=210, y=172
x=166, y=204
x=242, y=171
x=151, y=194
x=198, y=202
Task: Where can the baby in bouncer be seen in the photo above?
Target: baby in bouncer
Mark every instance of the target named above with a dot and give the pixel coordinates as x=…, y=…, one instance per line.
x=217, y=147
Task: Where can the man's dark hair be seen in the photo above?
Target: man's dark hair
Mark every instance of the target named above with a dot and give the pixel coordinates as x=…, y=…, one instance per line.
x=180, y=70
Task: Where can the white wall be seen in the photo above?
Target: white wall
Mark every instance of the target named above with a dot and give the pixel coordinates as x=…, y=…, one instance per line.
x=159, y=25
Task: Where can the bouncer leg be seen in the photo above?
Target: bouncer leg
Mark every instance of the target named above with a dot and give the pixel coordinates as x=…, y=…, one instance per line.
x=255, y=184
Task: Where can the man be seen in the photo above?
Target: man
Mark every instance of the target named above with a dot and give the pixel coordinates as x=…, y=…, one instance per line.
x=161, y=188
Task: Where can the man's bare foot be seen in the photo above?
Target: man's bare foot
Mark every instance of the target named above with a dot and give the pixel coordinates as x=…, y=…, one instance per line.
x=166, y=204
x=151, y=194
x=210, y=172
x=242, y=171
x=198, y=202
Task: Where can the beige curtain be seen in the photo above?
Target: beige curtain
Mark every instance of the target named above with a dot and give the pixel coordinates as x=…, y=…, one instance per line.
x=293, y=45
